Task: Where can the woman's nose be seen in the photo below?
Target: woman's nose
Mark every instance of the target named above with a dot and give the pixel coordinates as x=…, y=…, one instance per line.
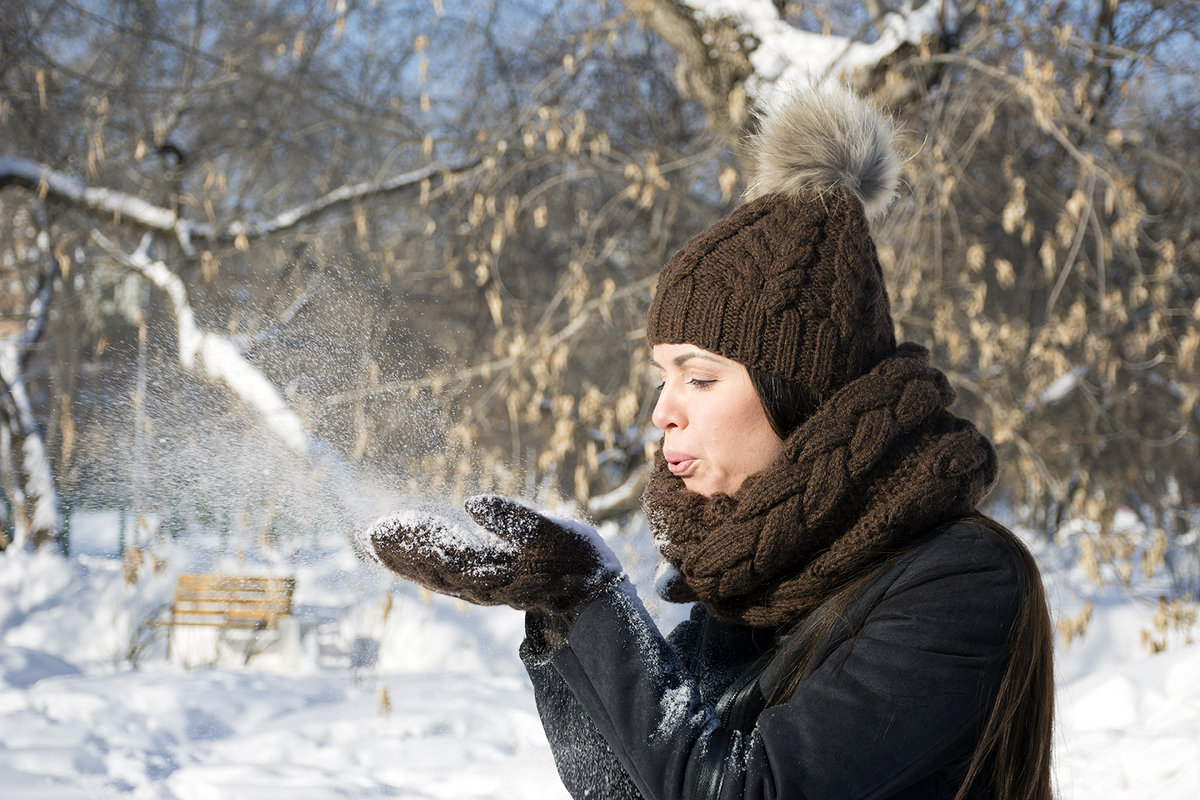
x=667, y=413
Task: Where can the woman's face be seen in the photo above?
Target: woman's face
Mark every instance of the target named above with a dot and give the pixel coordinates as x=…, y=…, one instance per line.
x=715, y=432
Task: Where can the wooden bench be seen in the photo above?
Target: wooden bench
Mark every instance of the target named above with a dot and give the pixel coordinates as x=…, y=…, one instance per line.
x=242, y=602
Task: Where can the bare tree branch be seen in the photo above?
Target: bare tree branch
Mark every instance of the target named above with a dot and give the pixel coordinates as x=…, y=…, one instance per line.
x=15, y=170
x=625, y=498
x=212, y=355
x=490, y=369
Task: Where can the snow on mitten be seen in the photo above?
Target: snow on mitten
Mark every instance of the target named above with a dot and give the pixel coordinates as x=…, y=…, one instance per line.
x=521, y=558
x=443, y=555
x=560, y=563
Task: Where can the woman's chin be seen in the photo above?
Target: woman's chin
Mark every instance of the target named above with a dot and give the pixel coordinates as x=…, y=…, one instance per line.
x=700, y=486
x=709, y=487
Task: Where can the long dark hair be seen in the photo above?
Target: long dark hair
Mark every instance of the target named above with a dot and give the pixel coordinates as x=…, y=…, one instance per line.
x=1011, y=760
x=787, y=403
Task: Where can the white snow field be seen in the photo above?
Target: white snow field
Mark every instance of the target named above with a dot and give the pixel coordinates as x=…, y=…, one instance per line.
x=395, y=694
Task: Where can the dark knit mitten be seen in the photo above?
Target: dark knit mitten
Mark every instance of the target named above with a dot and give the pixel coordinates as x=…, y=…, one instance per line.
x=442, y=554
x=521, y=558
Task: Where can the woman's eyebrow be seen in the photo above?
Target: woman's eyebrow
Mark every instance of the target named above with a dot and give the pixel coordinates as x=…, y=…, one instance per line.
x=683, y=358
x=680, y=360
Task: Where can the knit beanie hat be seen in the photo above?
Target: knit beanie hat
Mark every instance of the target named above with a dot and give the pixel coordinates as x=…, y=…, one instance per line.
x=790, y=282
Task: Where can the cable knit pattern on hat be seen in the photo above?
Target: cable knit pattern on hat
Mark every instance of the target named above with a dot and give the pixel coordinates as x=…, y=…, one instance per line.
x=790, y=287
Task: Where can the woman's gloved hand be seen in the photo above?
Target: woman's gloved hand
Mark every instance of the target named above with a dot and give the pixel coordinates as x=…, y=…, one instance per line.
x=521, y=558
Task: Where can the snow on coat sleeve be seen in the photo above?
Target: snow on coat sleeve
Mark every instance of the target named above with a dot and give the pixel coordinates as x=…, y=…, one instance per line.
x=884, y=710
x=585, y=762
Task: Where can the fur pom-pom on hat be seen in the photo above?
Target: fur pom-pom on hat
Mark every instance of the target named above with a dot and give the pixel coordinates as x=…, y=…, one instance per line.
x=819, y=138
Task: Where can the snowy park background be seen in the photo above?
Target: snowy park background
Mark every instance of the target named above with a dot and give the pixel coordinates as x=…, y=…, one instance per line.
x=395, y=694
x=272, y=268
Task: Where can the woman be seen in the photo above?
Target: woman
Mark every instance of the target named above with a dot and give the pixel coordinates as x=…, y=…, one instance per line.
x=858, y=629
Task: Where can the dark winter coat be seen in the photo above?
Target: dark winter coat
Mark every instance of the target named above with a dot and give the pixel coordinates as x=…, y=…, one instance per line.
x=890, y=707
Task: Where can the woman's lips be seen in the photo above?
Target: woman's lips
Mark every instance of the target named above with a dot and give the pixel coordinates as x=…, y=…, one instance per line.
x=681, y=464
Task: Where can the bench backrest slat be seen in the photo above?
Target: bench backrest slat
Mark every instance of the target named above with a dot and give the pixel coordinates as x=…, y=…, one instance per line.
x=233, y=600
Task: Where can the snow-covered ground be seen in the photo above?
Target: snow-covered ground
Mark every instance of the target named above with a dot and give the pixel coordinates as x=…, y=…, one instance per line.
x=392, y=693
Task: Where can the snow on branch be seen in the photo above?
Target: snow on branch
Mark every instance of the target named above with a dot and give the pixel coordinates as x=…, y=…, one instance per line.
x=45, y=522
x=23, y=172
x=60, y=185
x=213, y=356
x=35, y=317
x=786, y=55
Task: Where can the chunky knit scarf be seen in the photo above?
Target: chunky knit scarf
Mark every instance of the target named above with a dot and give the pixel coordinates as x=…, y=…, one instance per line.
x=878, y=464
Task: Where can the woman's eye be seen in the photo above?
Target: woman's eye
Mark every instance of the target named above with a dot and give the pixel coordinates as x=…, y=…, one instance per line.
x=660, y=386
x=702, y=383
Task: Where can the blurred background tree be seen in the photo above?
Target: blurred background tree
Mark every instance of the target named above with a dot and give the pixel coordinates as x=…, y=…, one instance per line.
x=434, y=229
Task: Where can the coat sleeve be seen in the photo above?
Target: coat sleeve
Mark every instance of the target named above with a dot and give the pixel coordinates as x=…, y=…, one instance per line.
x=887, y=707
x=586, y=764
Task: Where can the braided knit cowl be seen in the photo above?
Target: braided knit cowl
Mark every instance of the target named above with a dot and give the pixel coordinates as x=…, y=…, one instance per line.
x=879, y=463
